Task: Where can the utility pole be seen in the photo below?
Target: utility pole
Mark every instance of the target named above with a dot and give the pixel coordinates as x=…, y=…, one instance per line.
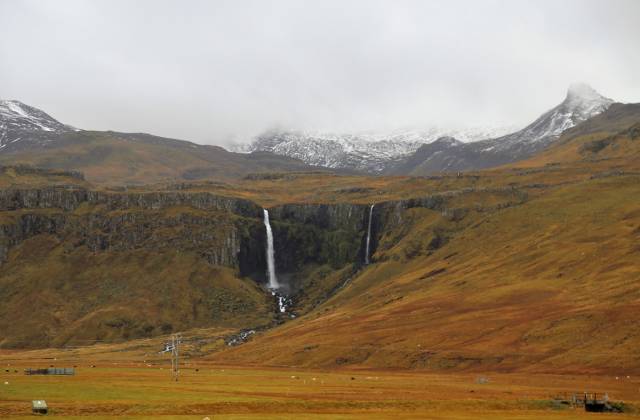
x=174, y=348
x=175, y=355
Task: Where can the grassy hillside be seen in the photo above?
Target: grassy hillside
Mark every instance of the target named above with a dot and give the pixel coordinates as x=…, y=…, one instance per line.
x=528, y=267
x=97, y=274
x=526, y=287
x=492, y=283
x=16, y=176
x=56, y=296
x=120, y=158
x=549, y=284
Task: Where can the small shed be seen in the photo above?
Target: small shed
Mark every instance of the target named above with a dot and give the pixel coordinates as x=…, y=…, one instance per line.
x=39, y=407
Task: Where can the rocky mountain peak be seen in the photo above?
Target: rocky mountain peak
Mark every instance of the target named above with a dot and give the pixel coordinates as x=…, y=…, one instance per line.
x=585, y=100
x=19, y=121
x=581, y=103
x=27, y=117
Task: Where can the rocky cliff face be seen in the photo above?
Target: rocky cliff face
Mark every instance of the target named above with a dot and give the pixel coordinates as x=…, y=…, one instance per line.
x=215, y=238
x=122, y=251
x=70, y=199
x=125, y=221
x=335, y=234
x=226, y=231
x=110, y=266
x=318, y=234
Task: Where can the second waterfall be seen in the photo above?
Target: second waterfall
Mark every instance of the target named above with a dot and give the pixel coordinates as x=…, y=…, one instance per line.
x=367, y=249
x=271, y=264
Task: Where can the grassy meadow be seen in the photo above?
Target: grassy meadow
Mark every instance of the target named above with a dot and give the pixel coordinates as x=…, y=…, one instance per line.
x=126, y=385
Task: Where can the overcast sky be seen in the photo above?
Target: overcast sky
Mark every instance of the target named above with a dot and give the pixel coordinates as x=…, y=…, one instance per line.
x=210, y=71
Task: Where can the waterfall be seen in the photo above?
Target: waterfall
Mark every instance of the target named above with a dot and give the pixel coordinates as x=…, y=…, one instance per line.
x=367, y=249
x=282, y=304
x=271, y=265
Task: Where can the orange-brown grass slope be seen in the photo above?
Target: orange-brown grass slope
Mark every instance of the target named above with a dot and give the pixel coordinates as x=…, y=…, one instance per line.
x=56, y=294
x=15, y=177
x=119, y=158
x=330, y=188
x=548, y=285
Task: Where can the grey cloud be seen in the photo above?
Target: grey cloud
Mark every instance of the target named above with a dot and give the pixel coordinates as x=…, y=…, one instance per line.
x=210, y=71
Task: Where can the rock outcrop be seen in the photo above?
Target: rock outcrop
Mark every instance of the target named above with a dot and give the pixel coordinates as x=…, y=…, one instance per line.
x=226, y=231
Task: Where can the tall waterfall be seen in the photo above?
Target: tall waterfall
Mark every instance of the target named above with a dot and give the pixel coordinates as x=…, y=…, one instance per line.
x=368, y=247
x=271, y=265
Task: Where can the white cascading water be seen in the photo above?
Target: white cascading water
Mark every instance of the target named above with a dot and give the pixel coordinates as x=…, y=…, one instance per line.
x=271, y=265
x=282, y=304
x=367, y=248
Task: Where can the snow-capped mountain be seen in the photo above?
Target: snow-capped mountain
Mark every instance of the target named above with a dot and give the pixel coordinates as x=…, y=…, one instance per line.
x=581, y=103
x=370, y=152
x=23, y=127
x=20, y=122
x=392, y=152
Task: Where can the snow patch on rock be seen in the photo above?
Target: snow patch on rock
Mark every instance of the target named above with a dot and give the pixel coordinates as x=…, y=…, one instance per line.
x=361, y=151
x=17, y=120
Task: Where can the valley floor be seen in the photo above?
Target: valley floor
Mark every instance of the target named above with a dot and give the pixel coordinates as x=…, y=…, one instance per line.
x=123, y=385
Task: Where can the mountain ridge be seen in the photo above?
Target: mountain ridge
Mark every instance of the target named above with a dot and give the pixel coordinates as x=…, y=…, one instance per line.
x=580, y=104
x=370, y=152
x=30, y=136
x=390, y=153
